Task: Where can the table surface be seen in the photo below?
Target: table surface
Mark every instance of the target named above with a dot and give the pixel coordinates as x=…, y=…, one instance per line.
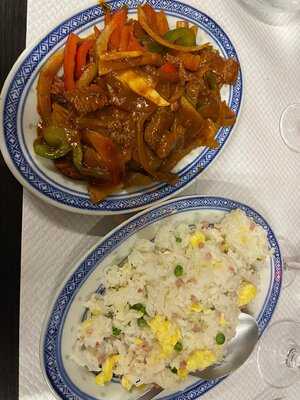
x=12, y=42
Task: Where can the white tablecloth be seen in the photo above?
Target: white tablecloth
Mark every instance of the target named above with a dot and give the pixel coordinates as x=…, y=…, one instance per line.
x=255, y=167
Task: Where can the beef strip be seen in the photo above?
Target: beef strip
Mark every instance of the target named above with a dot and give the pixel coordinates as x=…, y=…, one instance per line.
x=88, y=99
x=193, y=89
x=160, y=123
x=226, y=70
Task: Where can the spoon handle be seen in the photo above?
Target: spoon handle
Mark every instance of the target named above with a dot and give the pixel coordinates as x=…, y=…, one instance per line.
x=152, y=393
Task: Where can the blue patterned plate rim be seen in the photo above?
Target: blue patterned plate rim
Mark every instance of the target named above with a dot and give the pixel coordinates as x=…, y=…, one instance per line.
x=15, y=92
x=50, y=346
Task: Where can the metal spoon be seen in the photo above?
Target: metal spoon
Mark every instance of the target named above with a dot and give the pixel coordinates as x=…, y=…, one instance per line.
x=238, y=351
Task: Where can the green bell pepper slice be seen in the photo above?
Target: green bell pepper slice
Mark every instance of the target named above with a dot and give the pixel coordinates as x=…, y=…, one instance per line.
x=46, y=151
x=181, y=36
x=55, y=144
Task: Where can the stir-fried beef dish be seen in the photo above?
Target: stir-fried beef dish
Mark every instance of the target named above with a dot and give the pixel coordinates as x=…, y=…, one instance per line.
x=123, y=106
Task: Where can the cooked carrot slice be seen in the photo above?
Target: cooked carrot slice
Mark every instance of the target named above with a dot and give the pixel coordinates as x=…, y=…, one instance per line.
x=134, y=44
x=69, y=61
x=151, y=16
x=125, y=36
x=162, y=23
x=168, y=68
x=120, y=17
x=81, y=58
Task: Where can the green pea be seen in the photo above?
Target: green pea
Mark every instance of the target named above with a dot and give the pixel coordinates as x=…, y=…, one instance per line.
x=178, y=239
x=178, y=271
x=142, y=323
x=220, y=338
x=109, y=314
x=139, y=307
x=178, y=347
x=116, y=331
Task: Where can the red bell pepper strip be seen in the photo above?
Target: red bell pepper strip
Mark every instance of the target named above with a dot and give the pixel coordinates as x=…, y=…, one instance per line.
x=69, y=61
x=169, y=72
x=151, y=16
x=133, y=43
x=168, y=68
x=120, y=17
x=162, y=23
x=81, y=58
x=125, y=36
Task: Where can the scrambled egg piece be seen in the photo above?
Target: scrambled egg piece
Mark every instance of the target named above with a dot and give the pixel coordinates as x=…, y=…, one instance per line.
x=216, y=263
x=247, y=292
x=200, y=359
x=182, y=373
x=222, y=320
x=138, y=341
x=86, y=327
x=125, y=382
x=107, y=370
x=86, y=324
x=197, y=239
x=197, y=307
x=96, y=311
x=166, y=333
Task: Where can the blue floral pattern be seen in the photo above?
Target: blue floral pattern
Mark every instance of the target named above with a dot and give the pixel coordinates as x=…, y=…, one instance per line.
x=28, y=171
x=52, y=358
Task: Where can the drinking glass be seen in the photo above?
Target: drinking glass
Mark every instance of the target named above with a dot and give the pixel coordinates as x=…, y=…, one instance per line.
x=290, y=127
x=273, y=12
x=289, y=260
x=278, y=354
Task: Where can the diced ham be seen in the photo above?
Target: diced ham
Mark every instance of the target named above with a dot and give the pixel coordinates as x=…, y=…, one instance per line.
x=231, y=268
x=194, y=299
x=179, y=283
x=196, y=328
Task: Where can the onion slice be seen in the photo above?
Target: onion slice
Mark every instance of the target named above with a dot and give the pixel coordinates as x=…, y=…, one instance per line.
x=117, y=55
x=138, y=84
x=47, y=74
x=103, y=40
x=144, y=23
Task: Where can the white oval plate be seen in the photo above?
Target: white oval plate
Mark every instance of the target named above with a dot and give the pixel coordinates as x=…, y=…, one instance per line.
x=69, y=381
x=19, y=117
